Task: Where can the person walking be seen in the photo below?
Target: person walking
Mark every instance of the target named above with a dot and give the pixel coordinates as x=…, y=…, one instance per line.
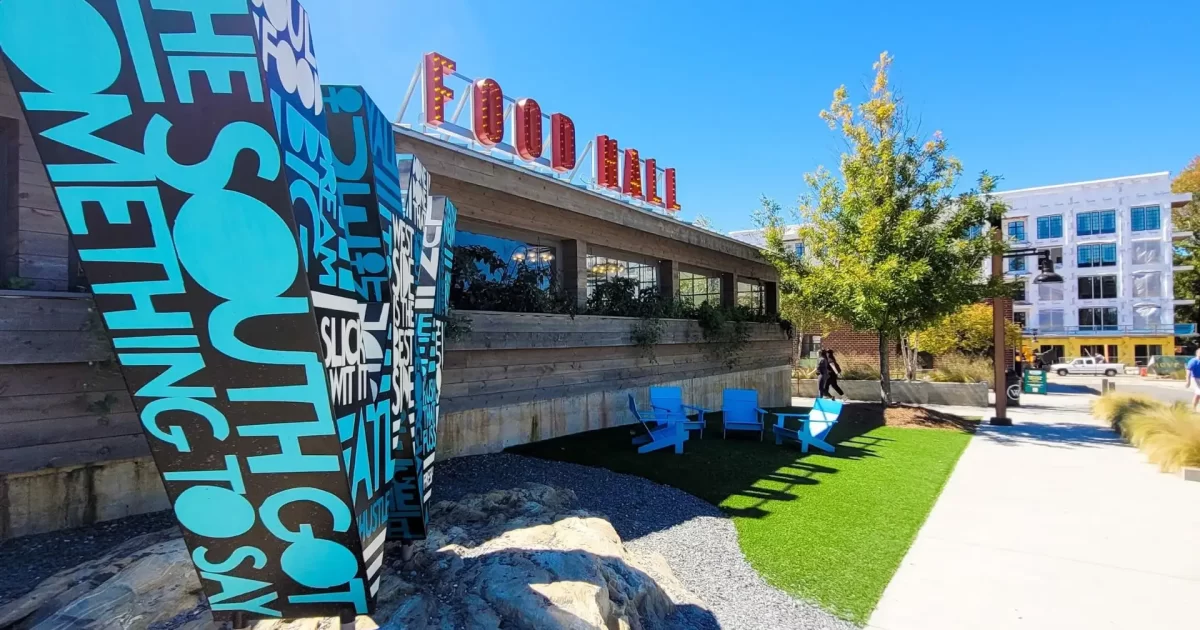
x=1193, y=379
x=827, y=375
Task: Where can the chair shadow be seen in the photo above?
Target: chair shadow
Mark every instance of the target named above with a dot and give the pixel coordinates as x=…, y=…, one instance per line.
x=741, y=465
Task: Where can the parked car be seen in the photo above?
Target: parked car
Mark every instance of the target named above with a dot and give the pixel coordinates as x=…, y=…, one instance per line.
x=1088, y=365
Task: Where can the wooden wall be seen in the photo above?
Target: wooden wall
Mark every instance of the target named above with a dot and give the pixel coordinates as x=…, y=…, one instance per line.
x=493, y=192
x=63, y=401
x=520, y=357
x=34, y=245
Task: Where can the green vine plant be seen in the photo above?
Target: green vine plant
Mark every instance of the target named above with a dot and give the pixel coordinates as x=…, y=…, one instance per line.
x=458, y=326
x=725, y=331
x=16, y=283
x=645, y=334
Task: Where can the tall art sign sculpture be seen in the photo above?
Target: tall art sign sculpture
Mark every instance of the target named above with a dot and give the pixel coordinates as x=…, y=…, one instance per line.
x=273, y=282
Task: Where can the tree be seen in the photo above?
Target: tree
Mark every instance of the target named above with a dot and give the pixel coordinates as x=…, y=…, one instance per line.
x=891, y=247
x=702, y=221
x=1187, y=283
x=967, y=331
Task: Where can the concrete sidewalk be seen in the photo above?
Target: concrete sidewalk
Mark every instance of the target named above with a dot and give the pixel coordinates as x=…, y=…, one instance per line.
x=1052, y=523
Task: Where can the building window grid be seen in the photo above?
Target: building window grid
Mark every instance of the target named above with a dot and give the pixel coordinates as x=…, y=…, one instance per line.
x=1050, y=226
x=1147, y=284
x=750, y=295
x=602, y=268
x=1019, y=292
x=1050, y=320
x=1016, y=264
x=1145, y=218
x=1098, y=318
x=1016, y=230
x=697, y=289
x=1096, y=222
x=1098, y=255
x=1098, y=287
x=1147, y=317
x=799, y=249
x=1143, y=352
x=1147, y=252
x=1049, y=292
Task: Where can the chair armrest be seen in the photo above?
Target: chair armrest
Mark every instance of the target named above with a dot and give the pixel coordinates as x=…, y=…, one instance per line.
x=784, y=416
x=695, y=408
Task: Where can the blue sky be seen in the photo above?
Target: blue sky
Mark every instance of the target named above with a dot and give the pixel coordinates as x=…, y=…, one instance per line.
x=1036, y=92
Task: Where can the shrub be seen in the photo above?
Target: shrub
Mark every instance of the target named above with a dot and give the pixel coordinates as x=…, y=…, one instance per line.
x=1116, y=408
x=961, y=368
x=1169, y=435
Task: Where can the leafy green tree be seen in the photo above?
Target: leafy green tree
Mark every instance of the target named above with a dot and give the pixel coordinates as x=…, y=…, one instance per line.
x=890, y=246
x=1187, y=252
x=967, y=331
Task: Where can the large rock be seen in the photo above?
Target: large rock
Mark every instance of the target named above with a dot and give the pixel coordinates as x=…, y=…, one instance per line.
x=521, y=558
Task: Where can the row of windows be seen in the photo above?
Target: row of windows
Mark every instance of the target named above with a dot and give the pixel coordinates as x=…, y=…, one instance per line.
x=1054, y=353
x=1145, y=285
x=1100, y=255
x=1141, y=219
x=697, y=289
x=1145, y=317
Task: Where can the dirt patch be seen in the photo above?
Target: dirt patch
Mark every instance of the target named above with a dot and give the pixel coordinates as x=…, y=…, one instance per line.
x=919, y=417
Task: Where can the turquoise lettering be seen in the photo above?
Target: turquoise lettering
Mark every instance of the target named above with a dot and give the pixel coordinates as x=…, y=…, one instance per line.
x=199, y=558
x=205, y=39
x=215, y=170
x=218, y=71
x=100, y=110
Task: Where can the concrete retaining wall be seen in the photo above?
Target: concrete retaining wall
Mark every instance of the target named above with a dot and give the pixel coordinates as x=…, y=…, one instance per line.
x=912, y=392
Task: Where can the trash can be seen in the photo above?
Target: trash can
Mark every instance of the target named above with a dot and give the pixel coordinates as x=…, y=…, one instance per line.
x=1012, y=388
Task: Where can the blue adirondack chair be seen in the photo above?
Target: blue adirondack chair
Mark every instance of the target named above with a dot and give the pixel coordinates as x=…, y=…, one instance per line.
x=741, y=412
x=814, y=425
x=669, y=401
x=665, y=434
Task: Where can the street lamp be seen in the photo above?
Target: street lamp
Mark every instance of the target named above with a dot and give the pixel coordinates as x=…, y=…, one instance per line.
x=1046, y=275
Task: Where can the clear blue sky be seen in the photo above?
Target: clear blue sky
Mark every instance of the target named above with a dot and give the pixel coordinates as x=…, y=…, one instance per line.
x=1037, y=92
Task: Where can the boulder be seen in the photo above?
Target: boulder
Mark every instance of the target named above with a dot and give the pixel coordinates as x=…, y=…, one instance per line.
x=519, y=558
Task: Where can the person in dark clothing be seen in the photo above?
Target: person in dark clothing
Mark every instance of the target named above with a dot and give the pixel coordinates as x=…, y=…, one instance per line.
x=827, y=375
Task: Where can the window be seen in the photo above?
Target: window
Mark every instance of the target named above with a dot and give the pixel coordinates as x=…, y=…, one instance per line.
x=750, y=295
x=601, y=268
x=1019, y=292
x=1148, y=284
x=1147, y=252
x=799, y=249
x=1144, y=218
x=696, y=289
x=1056, y=255
x=1016, y=264
x=1016, y=230
x=511, y=257
x=1098, y=287
x=1050, y=227
x=1050, y=291
x=1050, y=320
x=1020, y=318
x=1101, y=352
x=1147, y=317
x=1051, y=354
x=1100, y=222
x=1143, y=352
x=974, y=231
x=1104, y=318
x=810, y=346
x=1099, y=255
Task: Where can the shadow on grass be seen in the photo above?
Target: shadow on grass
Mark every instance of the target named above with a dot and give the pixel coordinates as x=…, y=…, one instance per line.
x=717, y=469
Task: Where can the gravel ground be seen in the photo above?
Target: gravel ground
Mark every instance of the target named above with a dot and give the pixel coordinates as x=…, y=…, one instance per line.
x=698, y=541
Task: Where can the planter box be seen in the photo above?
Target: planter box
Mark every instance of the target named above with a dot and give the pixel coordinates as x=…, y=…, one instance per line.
x=912, y=392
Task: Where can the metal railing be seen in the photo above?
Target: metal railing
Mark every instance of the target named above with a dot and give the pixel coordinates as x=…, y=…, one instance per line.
x=1177, y=330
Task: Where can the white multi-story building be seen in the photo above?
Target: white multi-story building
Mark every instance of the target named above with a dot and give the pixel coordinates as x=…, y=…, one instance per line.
x=1112, y=242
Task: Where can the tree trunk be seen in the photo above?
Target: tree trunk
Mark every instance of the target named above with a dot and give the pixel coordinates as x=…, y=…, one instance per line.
x=910, y=358
x=885, y=376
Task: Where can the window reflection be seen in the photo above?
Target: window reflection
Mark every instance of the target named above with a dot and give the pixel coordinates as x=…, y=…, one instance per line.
x=514, y=254
x=601, y=268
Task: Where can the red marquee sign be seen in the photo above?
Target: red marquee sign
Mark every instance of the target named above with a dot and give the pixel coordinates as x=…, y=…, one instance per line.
x=633, y=178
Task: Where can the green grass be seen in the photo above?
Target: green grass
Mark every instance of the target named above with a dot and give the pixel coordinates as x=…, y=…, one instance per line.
x=830, y=529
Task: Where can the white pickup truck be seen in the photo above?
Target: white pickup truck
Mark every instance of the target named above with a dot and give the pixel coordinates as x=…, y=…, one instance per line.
x=1088, y=365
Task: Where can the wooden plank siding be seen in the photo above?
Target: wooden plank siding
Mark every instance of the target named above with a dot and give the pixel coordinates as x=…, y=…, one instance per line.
x=511, y=358
x=489, y=191
x=63, y=401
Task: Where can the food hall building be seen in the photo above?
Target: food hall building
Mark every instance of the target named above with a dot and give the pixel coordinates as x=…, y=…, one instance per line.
x=72, y=450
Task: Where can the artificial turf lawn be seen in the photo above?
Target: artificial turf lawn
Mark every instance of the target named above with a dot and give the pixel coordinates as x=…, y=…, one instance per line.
x=828, y=528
